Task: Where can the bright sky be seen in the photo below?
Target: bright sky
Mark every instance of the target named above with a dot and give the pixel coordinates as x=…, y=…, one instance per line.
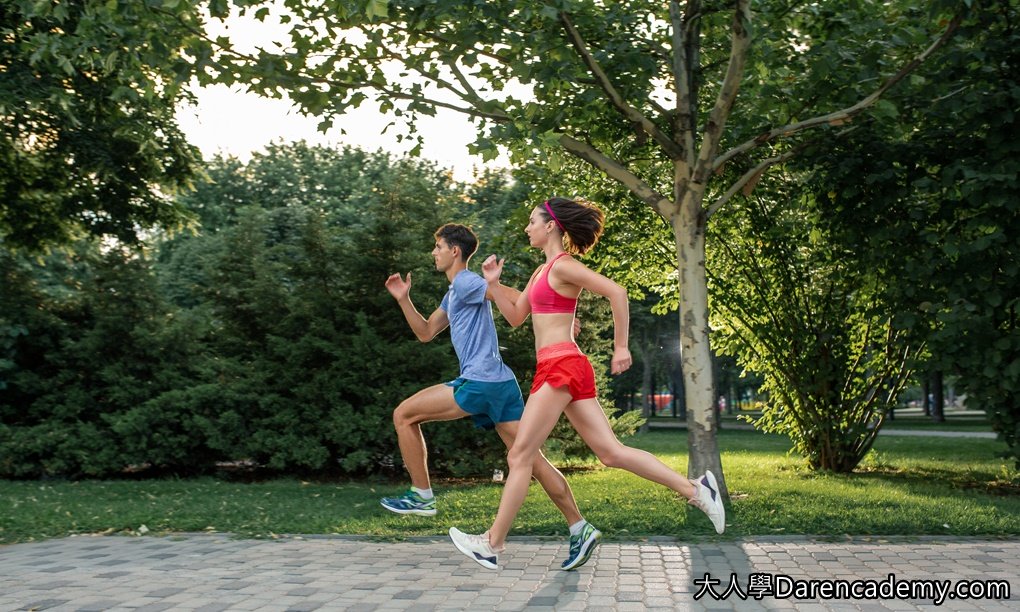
x=232, y=122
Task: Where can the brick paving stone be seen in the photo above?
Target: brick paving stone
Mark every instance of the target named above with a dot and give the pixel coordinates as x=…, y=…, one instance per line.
x=45, y=604
x=153, y=607
x=211, y=572
x=213, y=607
x=167, y=592
x=101, y=605
x=659, y=602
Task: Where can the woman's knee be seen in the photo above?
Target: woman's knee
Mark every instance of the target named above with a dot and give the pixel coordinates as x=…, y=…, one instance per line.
x=518, y=457
x=614, y=456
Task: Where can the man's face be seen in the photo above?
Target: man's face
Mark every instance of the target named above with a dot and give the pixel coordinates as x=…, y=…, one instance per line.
x=444, y=255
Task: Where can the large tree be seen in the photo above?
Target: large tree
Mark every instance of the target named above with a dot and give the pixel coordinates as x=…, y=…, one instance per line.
x=938, y=218
x=640, y=90
x=88, y=140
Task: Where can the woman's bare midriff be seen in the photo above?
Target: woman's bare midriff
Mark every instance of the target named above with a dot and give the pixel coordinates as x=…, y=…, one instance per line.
x=552, y=328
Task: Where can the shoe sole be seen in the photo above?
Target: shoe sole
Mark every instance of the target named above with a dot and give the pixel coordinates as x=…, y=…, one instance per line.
x=722, y=518
x=402, y=511
x=583, y=558
x=470, y=554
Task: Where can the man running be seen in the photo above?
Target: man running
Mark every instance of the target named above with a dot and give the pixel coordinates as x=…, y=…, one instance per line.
x=486, y=389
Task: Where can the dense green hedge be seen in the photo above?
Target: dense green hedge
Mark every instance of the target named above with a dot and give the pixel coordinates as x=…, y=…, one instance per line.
x=267, y=336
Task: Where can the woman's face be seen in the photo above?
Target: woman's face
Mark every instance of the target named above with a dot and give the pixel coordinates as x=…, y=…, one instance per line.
x=537, y=228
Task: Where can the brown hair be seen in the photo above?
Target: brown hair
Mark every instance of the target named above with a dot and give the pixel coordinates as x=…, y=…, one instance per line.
x=456, y=235
x=580, y=221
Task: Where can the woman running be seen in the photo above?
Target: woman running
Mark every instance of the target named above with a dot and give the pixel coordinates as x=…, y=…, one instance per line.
x=564, y=380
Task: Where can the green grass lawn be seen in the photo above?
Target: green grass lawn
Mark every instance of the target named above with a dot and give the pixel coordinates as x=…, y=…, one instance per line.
x=908, y=486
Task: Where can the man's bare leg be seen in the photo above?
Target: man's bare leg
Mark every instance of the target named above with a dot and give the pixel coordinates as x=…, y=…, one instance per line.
x=434, y=403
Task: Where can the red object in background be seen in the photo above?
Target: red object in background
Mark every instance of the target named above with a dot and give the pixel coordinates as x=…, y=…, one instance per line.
x=661, y=400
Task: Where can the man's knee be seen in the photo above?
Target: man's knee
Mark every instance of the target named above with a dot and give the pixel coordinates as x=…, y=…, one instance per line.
x=405, y=414
x=545, y=471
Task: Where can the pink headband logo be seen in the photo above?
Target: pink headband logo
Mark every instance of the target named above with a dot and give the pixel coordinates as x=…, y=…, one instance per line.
x=553, y=215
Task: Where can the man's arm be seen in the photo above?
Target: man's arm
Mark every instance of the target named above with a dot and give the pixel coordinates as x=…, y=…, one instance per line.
x=424, y=330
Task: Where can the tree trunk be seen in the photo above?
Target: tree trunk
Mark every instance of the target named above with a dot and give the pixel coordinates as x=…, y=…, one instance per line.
x=646, y=385
x=925, y=392
x=716, y=399
x=676, y=379
x=699, y=388
x=937, y=412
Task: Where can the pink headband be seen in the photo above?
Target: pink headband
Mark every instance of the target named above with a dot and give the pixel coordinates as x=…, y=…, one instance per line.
x=553, y=215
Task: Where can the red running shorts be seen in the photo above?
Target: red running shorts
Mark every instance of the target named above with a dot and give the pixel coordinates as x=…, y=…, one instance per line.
x=564, y=365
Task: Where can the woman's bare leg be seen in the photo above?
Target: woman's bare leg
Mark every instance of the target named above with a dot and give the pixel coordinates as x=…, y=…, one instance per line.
x=540, y=415
x=547, y=475
x=590, y=422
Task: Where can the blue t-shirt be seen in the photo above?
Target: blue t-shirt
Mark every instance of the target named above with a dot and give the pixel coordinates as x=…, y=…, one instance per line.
x=472, y=329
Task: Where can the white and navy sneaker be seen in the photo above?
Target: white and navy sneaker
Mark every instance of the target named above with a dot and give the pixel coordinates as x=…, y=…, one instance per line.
x=709, y=501
x=476, y=547
x=410, y=503
x=581, y=546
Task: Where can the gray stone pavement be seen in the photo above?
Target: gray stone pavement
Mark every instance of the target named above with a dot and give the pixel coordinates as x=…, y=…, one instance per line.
x=211, y=572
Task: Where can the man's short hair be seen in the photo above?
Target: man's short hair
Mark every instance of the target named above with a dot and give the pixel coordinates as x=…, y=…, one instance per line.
x=457, y=235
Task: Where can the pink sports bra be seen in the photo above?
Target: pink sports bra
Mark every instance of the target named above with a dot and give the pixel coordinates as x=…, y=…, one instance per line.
x=544, y=299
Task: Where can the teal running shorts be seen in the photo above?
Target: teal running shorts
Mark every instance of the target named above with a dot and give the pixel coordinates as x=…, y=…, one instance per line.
x=488, y=403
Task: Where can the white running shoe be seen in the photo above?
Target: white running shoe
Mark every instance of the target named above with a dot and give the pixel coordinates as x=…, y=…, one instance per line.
x=476, y=547
x=709, y=501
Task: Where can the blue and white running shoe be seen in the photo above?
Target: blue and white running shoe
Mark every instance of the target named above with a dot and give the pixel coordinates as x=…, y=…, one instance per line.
x=410, y=503
x=581, y=546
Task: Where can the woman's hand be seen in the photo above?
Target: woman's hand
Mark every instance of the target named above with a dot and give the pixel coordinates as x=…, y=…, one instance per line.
x=492, y=268
x=621, y=361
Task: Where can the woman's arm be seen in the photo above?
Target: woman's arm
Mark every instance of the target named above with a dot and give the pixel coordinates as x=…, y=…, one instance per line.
x=512, y=304
x=511, y=293
x=575, y=273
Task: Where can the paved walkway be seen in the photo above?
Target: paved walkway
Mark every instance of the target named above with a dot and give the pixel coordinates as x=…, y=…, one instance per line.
x=216, y=572
x=886, y=431
x=987, y=435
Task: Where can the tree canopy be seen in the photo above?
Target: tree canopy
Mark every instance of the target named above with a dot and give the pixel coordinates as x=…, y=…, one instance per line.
x=88, y=140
